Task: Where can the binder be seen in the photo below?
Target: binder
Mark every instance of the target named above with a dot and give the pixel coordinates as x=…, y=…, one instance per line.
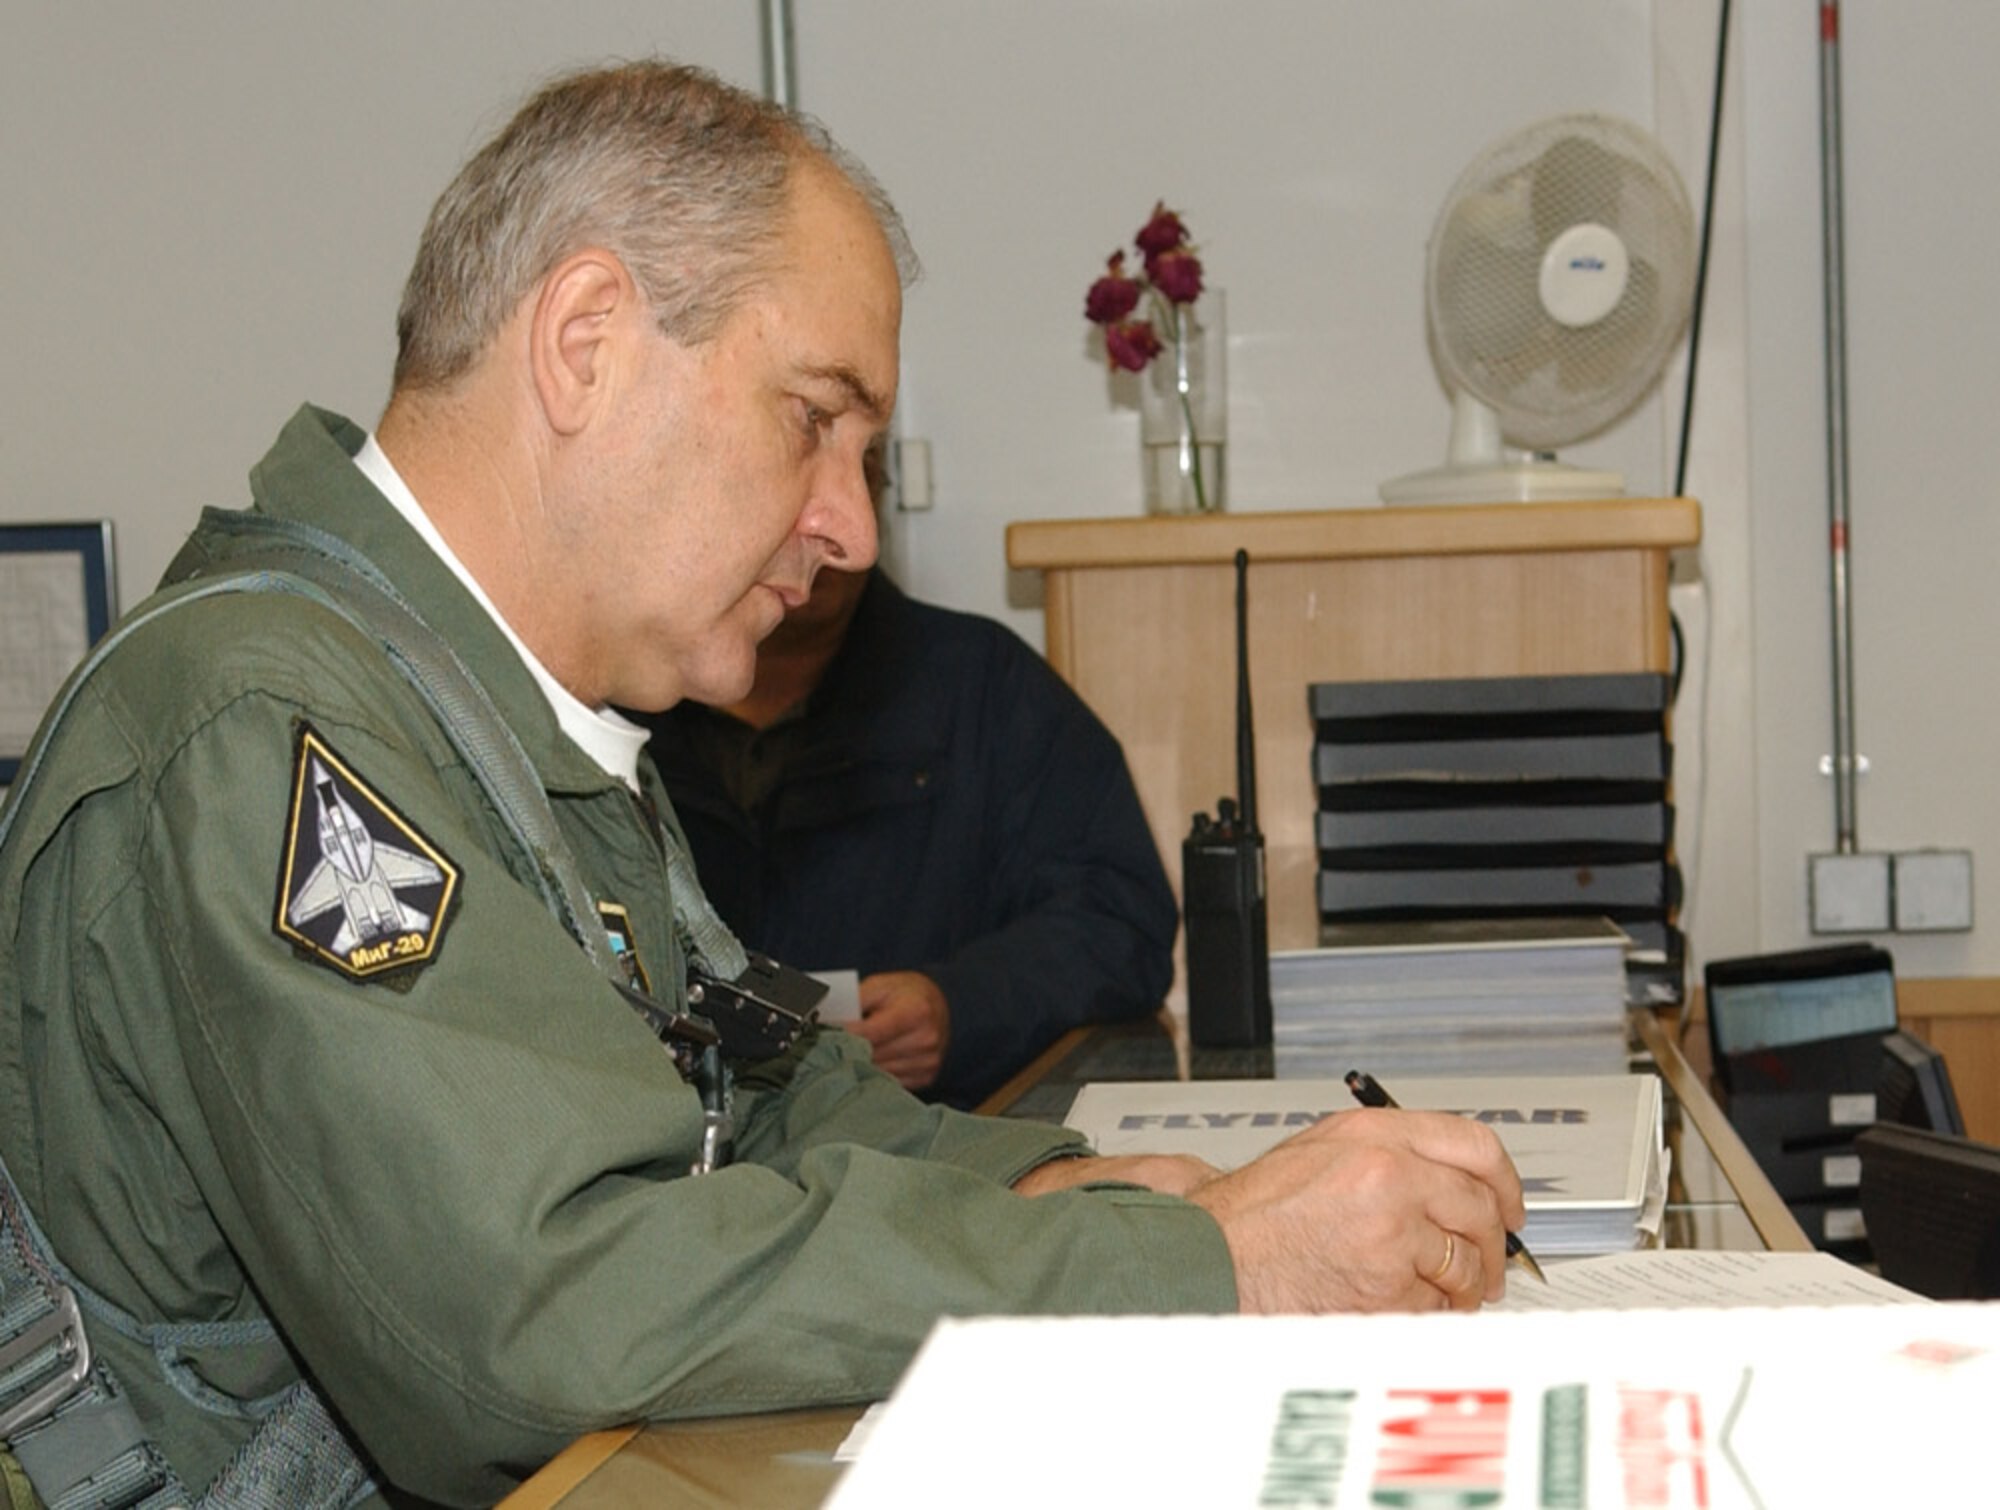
x=1607, y=889
x=1628, y=830
x=1588, y=1147
x=1655, y=935
x=1642, y=755
x=1394, y=795
x=1482, y=699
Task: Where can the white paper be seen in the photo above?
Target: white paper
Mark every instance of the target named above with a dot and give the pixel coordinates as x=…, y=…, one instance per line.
x=1679, y=1278
x=1808, y=1405
x=859, y=1433
x=842, y=1002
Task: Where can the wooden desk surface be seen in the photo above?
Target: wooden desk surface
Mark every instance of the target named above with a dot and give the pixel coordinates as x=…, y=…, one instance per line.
x=768, y=1462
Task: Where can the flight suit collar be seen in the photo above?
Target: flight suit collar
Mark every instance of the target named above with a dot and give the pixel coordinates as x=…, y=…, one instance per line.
x=309, y=475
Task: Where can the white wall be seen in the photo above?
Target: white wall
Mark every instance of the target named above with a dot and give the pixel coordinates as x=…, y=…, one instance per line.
x=1307, y=145
x=209, y=210
x=1923, y=322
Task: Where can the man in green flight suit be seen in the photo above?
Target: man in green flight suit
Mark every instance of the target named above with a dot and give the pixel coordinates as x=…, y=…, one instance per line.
x=298, y=1062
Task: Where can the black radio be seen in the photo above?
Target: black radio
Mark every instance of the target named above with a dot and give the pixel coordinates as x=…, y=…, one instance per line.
x=1222, y=889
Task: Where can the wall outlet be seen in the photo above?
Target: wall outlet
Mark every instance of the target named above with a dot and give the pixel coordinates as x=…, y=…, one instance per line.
x=1932, y=891
x=1849, y=893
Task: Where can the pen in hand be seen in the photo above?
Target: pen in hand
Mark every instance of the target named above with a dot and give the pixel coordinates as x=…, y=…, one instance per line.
x=1368, y=1091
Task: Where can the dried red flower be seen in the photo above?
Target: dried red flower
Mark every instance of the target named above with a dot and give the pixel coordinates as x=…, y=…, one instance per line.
x=1172, y=282
x=1131, y=345
x=1173, y=278
x=1160, y=234
x=1177, y=275
x=1114, y=296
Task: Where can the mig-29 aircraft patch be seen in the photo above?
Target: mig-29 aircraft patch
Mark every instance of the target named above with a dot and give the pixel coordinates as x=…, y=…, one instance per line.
x=359, y=888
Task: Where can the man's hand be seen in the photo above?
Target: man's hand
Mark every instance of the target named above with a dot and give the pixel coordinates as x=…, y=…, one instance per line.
x=907, y=1023
x=1371, y=1211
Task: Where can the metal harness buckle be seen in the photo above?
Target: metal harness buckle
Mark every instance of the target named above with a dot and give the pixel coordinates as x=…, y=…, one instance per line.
x=62, y=1330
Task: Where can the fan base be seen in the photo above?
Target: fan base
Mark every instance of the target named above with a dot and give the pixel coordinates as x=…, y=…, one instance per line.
x=1503, y=482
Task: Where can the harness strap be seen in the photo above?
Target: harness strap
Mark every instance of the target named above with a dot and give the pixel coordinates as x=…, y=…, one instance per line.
x=62, y=1414
x=299, y=1458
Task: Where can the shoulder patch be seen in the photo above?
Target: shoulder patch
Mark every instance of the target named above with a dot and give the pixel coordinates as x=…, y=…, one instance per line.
x=360, y=889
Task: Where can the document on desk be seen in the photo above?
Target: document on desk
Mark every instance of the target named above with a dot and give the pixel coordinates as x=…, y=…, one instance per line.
x=1676, y=1278
x=1855, y=1404
x=1589, y=1148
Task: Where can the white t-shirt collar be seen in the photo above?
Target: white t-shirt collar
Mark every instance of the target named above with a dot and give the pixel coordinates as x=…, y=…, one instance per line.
x=607, y=737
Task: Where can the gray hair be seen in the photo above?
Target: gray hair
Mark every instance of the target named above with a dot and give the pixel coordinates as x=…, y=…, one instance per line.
x=685, y=178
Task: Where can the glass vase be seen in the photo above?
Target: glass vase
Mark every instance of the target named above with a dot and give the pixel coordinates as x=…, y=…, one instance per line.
x=1184, y=411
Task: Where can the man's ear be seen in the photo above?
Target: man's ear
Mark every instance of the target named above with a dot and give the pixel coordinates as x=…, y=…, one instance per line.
x=574, y=333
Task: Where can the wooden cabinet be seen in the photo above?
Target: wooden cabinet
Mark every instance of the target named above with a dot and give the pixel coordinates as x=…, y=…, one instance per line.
x=1141, y=614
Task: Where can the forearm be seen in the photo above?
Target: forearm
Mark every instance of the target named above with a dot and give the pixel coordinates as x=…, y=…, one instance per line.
x=831, y=1093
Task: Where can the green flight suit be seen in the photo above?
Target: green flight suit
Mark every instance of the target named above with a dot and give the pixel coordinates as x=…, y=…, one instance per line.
x=459, y=1187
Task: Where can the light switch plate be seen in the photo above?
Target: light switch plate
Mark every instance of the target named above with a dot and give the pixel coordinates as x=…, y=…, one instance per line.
x=1849, y=893
x=1932, y=891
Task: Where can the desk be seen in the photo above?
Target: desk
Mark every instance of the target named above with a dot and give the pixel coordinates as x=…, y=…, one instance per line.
x=782, y=1461
x=1718, y=1199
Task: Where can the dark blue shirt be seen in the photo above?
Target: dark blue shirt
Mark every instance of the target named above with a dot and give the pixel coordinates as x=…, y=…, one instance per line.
x=943, y=803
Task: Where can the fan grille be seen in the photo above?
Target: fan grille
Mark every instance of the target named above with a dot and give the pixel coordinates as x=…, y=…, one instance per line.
x=1551, y=383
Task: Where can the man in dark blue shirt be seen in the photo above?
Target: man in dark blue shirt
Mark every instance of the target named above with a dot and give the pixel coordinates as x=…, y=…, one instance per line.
x=911, y=793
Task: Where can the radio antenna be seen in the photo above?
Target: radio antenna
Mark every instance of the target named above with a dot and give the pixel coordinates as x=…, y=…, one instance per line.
x=1222, y=888
x=1246, y=739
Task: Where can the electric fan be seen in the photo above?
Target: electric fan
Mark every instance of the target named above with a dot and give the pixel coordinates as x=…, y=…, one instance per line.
x=1559, y=279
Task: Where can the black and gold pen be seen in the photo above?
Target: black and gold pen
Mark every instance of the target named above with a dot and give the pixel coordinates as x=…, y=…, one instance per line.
x=1368, y=1091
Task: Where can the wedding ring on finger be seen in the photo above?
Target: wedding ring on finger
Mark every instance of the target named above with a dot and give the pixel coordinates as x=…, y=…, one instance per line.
x=1436, y=1276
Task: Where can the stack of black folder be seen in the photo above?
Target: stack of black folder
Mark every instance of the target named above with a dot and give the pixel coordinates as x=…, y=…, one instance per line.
x=1496, y=797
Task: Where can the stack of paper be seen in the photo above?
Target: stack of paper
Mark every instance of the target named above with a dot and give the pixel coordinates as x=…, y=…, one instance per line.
x=1858, y=1404
x=1522, y=995
x=1589, y=1148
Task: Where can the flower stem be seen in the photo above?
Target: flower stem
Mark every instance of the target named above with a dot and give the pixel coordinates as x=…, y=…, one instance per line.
x=1192, y=455
x=1200, y=493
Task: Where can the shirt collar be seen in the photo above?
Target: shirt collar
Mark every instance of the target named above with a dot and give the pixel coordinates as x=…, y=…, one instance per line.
x=611, y=740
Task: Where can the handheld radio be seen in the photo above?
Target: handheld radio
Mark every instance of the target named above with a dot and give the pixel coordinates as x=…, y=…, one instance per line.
x=1222, y=888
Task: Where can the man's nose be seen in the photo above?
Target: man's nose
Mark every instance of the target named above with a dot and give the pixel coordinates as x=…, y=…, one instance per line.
x=841, y=516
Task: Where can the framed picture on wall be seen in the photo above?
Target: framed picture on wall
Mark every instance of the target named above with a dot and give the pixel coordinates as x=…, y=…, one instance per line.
x=58, y=594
